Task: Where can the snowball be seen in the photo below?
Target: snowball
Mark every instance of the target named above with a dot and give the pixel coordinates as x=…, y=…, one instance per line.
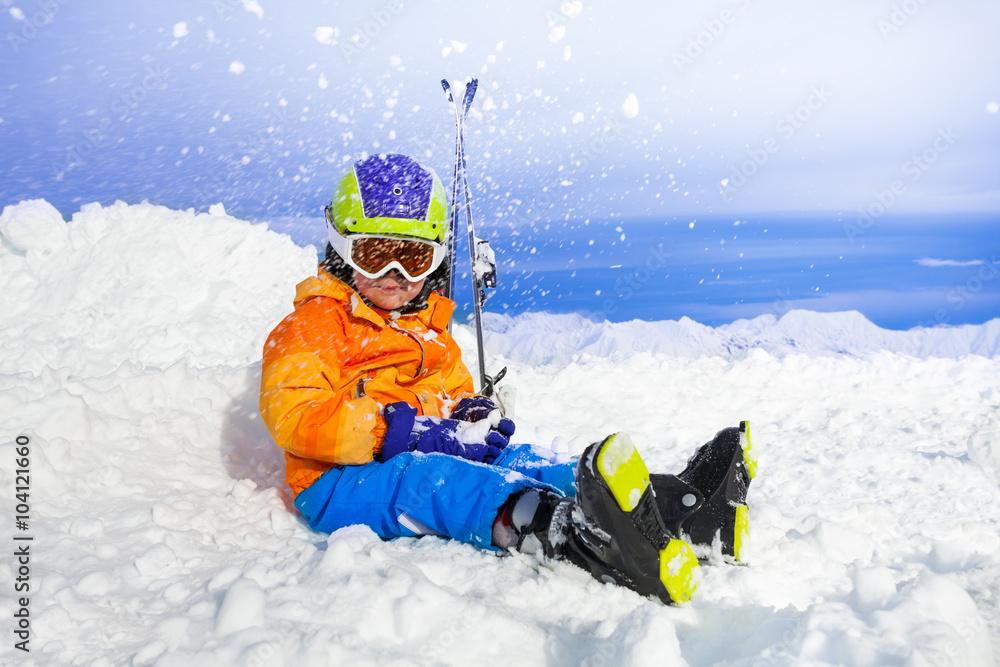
x=646, y=636
x=16, y=14
x=842, y=543
x=254, y=7
x=158, y=561
x=236, y=67
x=95, y=584
x=242, y=608
x=946, y=602
x=324, y=34
x=180, y=30
x=34, y=226
x=993, y=107
x=873, y=588
x=631, y=106
x=952, y=555
x=571, y=9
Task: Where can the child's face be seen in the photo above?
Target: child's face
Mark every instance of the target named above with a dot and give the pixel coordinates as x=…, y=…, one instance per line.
x=390, y=292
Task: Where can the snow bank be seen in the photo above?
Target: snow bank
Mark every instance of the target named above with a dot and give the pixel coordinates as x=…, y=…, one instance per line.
x=165, y=536
x=141, y=283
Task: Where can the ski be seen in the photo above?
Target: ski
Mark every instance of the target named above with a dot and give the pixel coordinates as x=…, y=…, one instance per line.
x=482, y=264
x=449, y=287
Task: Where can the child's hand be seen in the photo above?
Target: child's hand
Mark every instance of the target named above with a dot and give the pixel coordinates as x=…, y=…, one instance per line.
x=477, y=408
x=478, y=441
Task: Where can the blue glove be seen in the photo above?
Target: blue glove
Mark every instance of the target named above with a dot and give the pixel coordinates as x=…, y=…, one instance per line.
x=407, y=432
x=477, y=408
x=399, y=420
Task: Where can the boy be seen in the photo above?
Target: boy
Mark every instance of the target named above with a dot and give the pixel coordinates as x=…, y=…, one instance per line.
x=366, y=392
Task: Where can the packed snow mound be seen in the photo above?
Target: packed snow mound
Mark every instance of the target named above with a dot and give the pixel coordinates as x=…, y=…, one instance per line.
x=130, y=343
x=797, y=331
x=142, y=284
x=35, y=226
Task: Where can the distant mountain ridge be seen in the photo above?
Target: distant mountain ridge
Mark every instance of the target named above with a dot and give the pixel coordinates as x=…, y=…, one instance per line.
x=545, y=337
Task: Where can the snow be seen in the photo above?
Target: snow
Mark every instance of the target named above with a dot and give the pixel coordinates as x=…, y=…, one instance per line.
x=164, y=535
x=630, y=107
x=325, y=34
x=796, y=331
x=253, y=7
x=37, y=227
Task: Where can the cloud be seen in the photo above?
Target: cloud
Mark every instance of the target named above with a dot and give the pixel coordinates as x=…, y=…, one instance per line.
x=935, y=263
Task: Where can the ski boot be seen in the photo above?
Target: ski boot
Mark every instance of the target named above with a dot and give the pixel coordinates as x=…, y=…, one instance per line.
x=708, y=498
x=612, y=528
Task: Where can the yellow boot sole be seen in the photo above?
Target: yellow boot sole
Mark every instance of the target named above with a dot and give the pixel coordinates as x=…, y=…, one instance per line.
x=628, y=479
x=742, y=529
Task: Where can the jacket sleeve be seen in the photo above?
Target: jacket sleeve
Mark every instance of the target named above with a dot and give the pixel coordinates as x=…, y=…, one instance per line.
x=307, y=405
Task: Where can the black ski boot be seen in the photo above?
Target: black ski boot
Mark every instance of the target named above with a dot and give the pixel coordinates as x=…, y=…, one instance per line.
x=707, y=500
x=526, y=523
x=612, y=528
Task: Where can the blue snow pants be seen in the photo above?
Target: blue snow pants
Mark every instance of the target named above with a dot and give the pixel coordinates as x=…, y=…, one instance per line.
x=430, y=494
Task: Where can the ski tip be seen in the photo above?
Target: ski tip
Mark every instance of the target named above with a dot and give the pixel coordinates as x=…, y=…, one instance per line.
x=470, y=93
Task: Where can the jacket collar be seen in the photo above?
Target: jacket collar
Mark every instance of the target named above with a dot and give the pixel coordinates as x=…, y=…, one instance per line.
x=435, y=316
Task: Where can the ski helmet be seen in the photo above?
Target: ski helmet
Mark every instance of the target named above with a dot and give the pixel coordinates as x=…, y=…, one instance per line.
x=389, y=197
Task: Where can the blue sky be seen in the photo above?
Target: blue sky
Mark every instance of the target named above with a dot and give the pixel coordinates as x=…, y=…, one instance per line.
x=807, y=117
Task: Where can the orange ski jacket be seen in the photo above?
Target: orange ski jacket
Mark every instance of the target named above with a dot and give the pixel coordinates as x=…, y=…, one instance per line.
x=332, y=365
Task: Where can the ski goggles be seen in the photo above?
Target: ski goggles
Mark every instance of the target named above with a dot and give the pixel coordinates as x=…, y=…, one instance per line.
x=374, y=256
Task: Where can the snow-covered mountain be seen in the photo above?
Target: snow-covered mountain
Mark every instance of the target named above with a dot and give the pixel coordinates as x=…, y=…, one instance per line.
x=795, y=331
x=163, y=533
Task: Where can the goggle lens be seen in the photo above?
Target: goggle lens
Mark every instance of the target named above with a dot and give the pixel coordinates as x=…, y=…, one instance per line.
x=373, y=254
